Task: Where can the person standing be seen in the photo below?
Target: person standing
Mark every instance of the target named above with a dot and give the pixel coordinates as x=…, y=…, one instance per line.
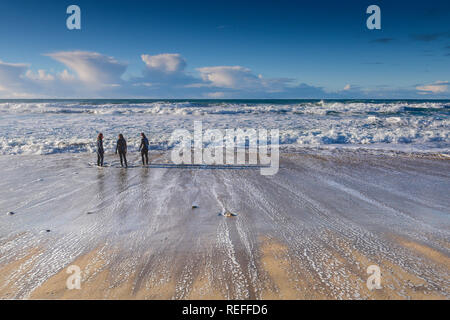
x=143, y=148
x=100, y=150
x=121, y=147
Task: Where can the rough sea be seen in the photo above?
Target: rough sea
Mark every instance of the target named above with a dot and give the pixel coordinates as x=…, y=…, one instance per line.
x=61, y=126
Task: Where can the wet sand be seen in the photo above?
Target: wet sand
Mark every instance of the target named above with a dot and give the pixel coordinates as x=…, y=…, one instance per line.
x=308, y=232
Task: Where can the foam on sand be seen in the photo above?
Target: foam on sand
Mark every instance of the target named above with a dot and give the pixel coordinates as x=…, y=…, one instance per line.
x=310, y=231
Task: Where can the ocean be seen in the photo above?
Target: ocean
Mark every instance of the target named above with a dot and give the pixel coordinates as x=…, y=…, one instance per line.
x=62, y=126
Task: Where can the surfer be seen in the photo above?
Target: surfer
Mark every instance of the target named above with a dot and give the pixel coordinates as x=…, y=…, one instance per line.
x=121, y=147
x=143, y=148
x=100, y=150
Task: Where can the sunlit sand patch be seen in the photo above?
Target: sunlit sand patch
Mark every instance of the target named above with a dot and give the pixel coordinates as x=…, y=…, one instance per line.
x=353, y=264
x=401, y=284
x=397, y=283
x=100, y=282
x=94, y=279
x=203, y=288
x=412, y=286
x=149, y=277
x=159, y=289
x=159, y=284
x=276, y=264
x=426, y=251
x=358, y=263
x=343, y=270
x=12, y=271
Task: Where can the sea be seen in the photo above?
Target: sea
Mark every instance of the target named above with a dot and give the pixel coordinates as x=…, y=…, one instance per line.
x=71, y=126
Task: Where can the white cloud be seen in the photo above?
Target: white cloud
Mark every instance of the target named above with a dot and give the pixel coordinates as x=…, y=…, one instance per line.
x=94, y=75
x=229, y=77
x=91, y=74
x=166, y=62
x=91, y=67
x=66, y=76
x=241, y=78
x=436, y=87
x=41, y=75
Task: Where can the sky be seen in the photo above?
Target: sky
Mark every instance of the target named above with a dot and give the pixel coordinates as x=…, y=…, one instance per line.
x=225, y=49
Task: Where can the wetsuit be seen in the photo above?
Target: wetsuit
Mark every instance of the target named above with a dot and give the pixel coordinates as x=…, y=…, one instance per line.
x=121, y=147
x=100, y=152
x=144, y=150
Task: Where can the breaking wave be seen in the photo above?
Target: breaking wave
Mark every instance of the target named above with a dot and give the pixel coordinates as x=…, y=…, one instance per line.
x=45, y=127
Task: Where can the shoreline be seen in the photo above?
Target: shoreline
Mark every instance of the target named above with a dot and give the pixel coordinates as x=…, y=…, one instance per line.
x=373, y=149
x=308, y=232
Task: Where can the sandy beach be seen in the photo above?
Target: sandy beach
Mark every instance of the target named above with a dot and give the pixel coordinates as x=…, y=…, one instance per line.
x=308, y=232
x=296, y=151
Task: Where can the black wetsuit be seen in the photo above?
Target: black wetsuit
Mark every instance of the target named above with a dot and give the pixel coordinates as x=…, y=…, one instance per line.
x=144, y=150
x=100, y=152
x=122, y=149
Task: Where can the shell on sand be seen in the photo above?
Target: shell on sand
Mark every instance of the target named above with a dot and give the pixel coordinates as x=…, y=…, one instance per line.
x=229, y=214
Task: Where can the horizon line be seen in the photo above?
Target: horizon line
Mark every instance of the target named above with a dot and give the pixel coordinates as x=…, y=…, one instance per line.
x=226, y=99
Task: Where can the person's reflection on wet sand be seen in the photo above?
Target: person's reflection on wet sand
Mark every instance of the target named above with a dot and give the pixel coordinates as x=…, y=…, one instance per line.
x=144, y=184
x=101, y=185
x=122, y=186
x=122, y=180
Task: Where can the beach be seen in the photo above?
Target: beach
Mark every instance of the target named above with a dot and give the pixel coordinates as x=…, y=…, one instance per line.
x=206, y=158
x=158, y=232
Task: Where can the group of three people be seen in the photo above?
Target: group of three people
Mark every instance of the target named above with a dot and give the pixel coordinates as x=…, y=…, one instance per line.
x=121, y=148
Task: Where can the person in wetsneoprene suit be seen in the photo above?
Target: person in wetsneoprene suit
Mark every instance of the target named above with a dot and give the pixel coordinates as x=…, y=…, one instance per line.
x=100, y=150
x=143, y=148
x=121, y=147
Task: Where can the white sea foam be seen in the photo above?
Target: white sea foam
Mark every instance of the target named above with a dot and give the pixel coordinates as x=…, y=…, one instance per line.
x=52, y=127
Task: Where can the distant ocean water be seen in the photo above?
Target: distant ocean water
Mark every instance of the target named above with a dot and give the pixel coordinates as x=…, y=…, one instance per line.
x=54, y=126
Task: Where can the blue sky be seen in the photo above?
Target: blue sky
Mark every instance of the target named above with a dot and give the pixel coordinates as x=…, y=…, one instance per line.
x=224, y=49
